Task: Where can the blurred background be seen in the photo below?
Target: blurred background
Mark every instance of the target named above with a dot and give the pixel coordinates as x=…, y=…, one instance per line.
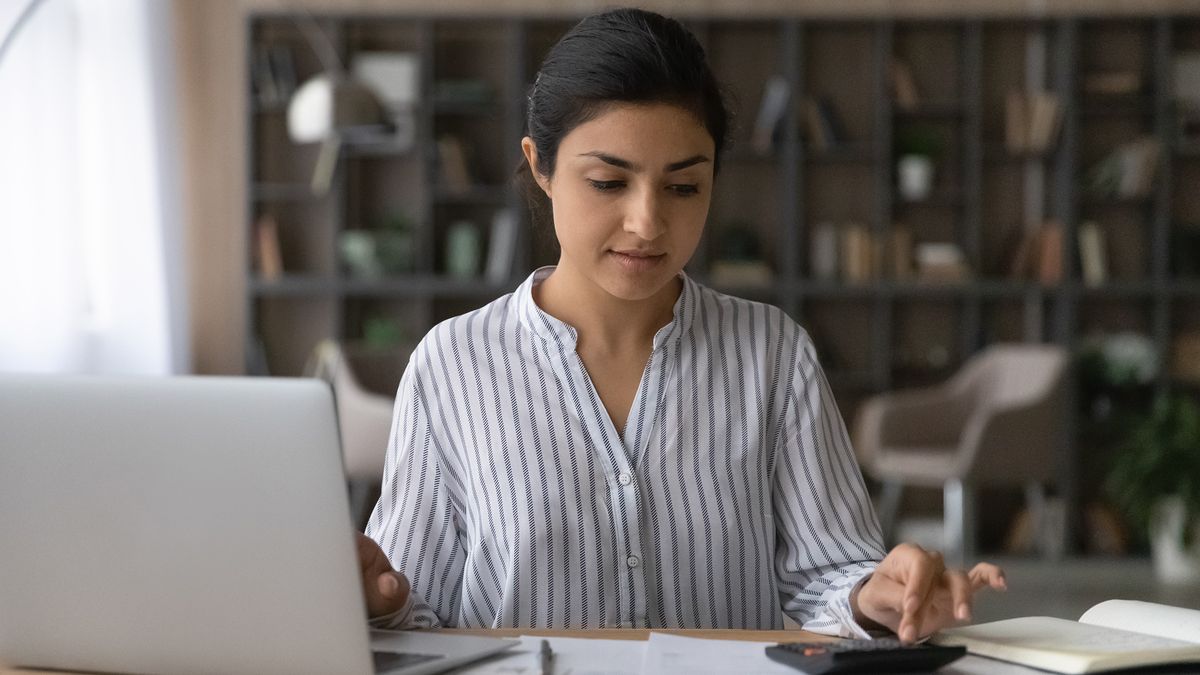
x=985, y=213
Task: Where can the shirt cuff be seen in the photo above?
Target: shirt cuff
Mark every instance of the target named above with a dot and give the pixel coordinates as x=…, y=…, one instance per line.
x=397, y=619
x=841, y=607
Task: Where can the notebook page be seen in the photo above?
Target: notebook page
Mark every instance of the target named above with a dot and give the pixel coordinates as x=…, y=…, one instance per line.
x=1146, y=617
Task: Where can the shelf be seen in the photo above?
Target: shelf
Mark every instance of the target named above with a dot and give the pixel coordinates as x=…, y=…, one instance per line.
x=997, y=153
x=283, y=192
x=468, y=109
x=294, y=286
x=931, y=111
x=481, y=194
x=939, y=199
x=848, y=153
x=1118, y=289
x=1124, y=107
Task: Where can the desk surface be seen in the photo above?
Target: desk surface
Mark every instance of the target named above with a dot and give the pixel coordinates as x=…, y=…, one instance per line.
x=602, y=633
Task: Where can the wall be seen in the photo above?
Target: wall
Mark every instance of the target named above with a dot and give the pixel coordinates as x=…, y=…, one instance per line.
x=211, y=61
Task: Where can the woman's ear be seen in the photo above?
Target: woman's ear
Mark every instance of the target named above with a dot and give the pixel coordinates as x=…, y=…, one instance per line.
x=531, y=157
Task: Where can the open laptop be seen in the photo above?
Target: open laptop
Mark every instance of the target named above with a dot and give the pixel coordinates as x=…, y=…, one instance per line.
x=186, y=525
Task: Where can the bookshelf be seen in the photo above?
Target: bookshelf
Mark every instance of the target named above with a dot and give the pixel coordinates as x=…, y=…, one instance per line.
x=874, y=335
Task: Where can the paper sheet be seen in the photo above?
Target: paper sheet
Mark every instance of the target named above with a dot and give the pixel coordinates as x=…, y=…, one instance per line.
x=572, y=656
x=672, y=654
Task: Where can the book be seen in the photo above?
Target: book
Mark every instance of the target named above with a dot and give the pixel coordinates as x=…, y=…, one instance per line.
x=856, y=250
x=502, y=246
x=269, y=255
x=904, y=86
x=770, y=112
x=1093, y=259
x=825, y=129
x=823, y=253
x=1016, y=122
x=1050, y=253
x=1112, y=635
x=452, y=164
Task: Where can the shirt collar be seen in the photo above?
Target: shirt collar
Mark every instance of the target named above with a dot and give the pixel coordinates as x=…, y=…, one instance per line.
x=549, y=328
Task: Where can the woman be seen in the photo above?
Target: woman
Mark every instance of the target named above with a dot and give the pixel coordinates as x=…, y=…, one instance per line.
x=614, y=445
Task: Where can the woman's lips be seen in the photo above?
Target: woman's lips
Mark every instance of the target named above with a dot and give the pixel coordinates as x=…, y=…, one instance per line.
x=637, y=261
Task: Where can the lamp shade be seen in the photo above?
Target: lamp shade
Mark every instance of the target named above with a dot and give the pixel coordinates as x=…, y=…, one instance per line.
x=327, y=106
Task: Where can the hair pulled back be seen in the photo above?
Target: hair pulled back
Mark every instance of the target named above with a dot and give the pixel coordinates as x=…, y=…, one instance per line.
x=619, y=56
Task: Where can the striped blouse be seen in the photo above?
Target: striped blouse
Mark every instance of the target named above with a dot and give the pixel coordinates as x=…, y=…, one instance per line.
x=731, y=498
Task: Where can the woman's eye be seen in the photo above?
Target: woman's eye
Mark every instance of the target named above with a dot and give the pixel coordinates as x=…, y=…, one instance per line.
x=606, y=185
x=686, y=190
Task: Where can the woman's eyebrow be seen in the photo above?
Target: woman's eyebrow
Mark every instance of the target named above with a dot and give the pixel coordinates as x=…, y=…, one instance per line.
x=630, y=166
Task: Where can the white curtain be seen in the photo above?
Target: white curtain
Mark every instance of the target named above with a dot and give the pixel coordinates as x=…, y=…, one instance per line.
x=91, y=241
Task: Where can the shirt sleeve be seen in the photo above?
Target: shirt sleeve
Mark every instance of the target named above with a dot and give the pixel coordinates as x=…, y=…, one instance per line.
x=828, y=539
x=415, y=521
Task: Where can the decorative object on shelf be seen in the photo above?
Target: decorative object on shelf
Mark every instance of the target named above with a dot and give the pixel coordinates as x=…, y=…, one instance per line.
x=737, y=260
x=463, y=249
x=395, y=77
x=825, y=129
x=770, y=112
x=1185, y=357
x=463, y=91
x=1186, y=88
x=857, y=254
x=941, y=262
x=904, y=86
x=1111, y=83
x=823, y=252
x=1050, y=253
x=1093, y=254
x=1154, y=479
x=1128, y=172
x=267, y=253
x=358, y=253
x=1032, y=122
x=386, y=250
x=1115, y=373
x=900, y=253
x=331, y=108
x=917, y=148
x=453, y=169
x=502, y=246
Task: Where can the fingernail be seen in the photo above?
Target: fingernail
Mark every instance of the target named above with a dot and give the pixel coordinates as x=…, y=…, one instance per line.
x=964, y=612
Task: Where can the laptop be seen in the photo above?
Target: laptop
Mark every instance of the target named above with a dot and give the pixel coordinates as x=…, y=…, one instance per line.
x=186, y=525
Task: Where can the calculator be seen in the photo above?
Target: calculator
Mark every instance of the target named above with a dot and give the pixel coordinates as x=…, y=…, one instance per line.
x=887, y=655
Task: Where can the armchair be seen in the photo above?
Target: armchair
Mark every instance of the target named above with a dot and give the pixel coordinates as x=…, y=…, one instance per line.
x=998, y=421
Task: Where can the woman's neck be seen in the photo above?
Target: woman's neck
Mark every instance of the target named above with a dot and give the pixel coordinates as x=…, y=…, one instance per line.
x=605, y=323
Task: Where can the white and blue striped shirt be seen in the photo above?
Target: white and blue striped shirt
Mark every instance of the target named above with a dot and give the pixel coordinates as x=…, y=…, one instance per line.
x=732, y=497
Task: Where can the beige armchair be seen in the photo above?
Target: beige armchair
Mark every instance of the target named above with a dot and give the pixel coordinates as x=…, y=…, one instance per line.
x=998, y=421
x=364, y=423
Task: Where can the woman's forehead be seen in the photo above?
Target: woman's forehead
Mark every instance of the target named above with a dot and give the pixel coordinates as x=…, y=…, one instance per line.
x=650, y=135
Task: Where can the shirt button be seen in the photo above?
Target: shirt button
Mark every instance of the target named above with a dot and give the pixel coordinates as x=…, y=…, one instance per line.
x=633, y=561
x=625, y=479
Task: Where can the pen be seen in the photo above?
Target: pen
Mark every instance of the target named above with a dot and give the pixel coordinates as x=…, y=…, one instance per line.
x=546, y=659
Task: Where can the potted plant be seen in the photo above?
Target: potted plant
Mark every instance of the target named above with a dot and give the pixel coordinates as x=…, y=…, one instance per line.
x=916, y=149
x=1155, y=480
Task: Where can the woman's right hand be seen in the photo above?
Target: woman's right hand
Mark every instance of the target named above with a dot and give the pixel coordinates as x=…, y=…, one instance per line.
x=385, y=589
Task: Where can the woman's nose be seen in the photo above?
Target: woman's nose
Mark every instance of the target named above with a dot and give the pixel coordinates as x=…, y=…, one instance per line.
x=644, y=216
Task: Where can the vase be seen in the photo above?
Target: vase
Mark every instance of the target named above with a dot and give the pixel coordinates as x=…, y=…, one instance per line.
x=914, y=175
x=1174, y=564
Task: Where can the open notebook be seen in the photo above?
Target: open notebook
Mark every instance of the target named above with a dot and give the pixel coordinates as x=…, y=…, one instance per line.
x=1111, y=635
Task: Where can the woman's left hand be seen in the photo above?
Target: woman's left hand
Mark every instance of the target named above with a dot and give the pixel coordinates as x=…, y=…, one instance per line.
x=913, y=594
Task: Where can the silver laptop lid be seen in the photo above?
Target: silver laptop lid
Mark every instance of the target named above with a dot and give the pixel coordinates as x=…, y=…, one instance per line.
x=175, y=525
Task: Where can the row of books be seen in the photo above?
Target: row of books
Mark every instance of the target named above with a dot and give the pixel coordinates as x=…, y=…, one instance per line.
x=851, y=253
x=1032, y=122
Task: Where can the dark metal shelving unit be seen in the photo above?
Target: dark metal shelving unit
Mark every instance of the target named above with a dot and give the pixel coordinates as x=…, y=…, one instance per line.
x=1057, y=313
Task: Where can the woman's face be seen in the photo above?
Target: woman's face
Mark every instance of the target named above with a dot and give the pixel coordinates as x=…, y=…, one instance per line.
x=630, y=194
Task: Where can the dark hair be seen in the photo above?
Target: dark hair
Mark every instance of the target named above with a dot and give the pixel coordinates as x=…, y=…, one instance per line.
x=620, y=56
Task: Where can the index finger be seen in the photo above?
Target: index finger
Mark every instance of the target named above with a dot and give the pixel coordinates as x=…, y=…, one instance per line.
x=923, y=569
